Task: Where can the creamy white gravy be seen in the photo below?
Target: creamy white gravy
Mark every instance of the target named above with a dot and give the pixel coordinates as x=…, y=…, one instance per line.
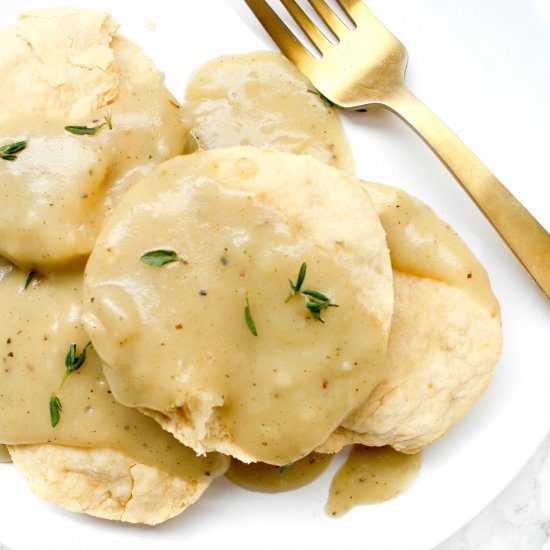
x=62, y=186
x=371, y=475
x=261, y=99
x=421, y=244
x=267, y=478
x=37, y=326
x=257, y=99
x=174, y=338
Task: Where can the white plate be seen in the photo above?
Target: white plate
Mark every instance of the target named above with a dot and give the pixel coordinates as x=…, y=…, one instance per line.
x=483, y=67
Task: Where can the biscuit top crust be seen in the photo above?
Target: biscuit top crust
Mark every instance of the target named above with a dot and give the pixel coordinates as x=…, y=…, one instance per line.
x=68, y=68
x=59, y=62
x=174, y=338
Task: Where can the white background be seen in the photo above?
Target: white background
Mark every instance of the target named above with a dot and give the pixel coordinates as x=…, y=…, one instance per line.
x=484, y=68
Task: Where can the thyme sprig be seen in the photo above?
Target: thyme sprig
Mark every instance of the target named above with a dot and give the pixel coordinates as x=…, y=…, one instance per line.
x=90, y=131
x=248, y=318
x=29, y=279
x=296, y=288
x=55, y=410
x=10, y=151
x=160, y=257
x=72, y=363
x=314, y=300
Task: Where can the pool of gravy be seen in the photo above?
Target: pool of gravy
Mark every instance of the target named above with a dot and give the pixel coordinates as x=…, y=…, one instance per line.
x=371, y=475
x=266, y=478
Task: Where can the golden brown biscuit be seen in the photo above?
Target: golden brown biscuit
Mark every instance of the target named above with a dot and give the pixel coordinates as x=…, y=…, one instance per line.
x=174, y=338
x=66, y=68
x=105, y=483
x=445, y=338
x=104, y=459
x=262, y=99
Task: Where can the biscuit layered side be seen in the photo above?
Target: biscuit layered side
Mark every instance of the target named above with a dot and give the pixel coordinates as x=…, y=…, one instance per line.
x=105, y=483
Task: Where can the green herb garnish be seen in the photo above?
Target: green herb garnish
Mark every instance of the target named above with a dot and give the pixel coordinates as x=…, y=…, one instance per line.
x=324, y=99
x=296, y=288
x=314, y=301
x=248, y=318
x=9, y=152
x=55, y=409
x=284, y=468
x=160, y=257
x=90, y=131
x=84, y=130
x=73, y=361
x=29, y=278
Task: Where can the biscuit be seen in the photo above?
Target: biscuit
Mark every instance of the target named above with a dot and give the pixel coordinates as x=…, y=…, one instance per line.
x=105, y=483
x=101, y=458
x=68, y=68
x=174, y=339
x=445, y=338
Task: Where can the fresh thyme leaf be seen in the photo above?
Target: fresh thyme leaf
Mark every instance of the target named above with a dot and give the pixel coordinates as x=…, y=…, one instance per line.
x=85, y=130
x=316, y=314
x=160, y=257
x=314, y=301
x=316, y=295
x=93, y=130
x=315, y=307
x=248, y=319
x=55, y=409
x=73, y=361
x=299, y=281
x=324, y=99
x=284, y=468
x=9, y=151
x=301, y=277
x=29, y=278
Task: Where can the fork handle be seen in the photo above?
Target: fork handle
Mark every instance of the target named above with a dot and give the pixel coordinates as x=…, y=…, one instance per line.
x=523, y=234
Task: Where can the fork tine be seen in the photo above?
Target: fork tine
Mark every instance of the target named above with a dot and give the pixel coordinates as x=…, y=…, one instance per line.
x=319, y=40
x=333, y=22
x=281, y=35
x=355, y=9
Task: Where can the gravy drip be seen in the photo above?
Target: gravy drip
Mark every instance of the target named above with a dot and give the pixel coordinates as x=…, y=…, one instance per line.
x=371, y=475
x=267, y=478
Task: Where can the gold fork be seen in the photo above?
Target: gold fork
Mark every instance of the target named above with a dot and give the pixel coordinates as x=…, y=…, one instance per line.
x=367, y=67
